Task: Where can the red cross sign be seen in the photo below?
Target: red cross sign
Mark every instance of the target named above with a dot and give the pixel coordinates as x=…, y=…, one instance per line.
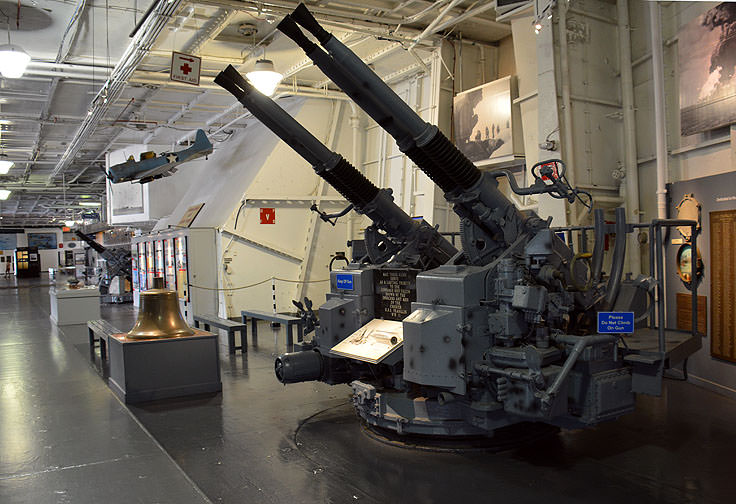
x=185, y=68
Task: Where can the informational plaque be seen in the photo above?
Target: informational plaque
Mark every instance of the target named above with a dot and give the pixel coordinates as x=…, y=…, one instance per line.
x=190, y=215
x=723, y=284
x=395, y=290
x=685, y=312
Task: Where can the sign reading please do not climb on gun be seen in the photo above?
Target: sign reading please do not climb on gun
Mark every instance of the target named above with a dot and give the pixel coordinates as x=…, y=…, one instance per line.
x=185, y=68
x=615, y=322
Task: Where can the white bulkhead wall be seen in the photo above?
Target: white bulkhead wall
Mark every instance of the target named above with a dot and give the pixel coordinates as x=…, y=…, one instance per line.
x=692, y=156
x=298, y=246
x=387, y=167
x=429, y=91
x=570, y=92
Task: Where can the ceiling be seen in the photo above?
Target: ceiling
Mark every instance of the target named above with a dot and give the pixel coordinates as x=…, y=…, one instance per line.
x=86, y=91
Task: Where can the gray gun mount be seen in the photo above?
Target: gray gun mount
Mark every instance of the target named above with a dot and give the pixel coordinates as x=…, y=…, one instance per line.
x=505, y=332
x=395, y=242
x=118, y=261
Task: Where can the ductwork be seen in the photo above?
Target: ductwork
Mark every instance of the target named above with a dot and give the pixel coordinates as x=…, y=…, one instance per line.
x=142, y=42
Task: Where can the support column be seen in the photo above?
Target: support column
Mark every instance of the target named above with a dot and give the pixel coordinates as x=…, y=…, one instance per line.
x=629, y=121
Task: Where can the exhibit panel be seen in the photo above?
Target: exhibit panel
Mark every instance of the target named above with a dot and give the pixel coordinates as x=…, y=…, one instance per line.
x=723, y=284
x=187, y=266
x=710, y=367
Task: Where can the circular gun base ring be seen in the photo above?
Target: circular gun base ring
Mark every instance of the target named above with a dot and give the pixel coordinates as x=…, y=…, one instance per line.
x=506, y=438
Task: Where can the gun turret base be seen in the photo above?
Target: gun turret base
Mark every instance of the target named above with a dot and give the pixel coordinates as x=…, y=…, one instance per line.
x=507, y=438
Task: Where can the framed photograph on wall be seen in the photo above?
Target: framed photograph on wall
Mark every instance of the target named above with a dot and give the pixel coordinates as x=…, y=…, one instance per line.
x=8, y=241
x=707, y=68
x=484, y=123
x=42, y=240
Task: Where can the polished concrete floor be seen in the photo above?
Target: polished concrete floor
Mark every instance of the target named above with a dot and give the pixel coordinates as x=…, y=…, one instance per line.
x=65, y=438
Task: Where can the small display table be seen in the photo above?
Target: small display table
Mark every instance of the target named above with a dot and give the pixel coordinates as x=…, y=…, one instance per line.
x=147, y=370
x=74, y=306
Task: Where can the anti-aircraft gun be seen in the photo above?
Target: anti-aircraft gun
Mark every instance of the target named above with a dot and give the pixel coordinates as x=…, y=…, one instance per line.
x=398, y=246
x=118, y=262
x=505, y=332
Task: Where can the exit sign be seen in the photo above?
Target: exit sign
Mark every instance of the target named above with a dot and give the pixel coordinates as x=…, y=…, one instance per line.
x=185, y=68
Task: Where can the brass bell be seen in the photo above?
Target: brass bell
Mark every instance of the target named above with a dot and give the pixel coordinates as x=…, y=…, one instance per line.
x=159, y=316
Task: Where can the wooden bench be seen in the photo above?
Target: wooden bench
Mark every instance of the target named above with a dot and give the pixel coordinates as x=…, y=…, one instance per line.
x=100, y=330
x=231, y=327
x=287, y=320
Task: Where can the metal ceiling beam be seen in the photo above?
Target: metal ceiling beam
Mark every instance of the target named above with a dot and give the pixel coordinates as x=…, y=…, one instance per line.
x=142, y=103
x=209, y=31
x=472, y=12
x=346, y=15
x=134, y=54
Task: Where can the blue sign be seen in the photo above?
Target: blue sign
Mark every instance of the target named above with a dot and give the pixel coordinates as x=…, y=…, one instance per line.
x=344, y=281
x=615, y=322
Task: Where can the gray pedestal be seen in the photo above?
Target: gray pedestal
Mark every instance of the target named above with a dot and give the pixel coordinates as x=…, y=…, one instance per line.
x=74, y=306
x=146, y=370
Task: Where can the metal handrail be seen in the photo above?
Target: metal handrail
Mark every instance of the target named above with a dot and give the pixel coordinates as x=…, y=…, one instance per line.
x=656, y=267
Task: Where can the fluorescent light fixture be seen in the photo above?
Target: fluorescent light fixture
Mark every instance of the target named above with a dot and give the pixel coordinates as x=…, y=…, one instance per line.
x=4, y=193
x=5, y=165
x=264, y=77
x=90, y=203
x=13, y=61
x=69, y=223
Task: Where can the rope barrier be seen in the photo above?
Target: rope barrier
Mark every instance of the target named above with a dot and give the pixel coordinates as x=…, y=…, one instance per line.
x=258, y=283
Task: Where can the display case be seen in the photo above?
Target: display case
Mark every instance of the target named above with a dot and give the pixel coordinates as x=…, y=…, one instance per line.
x=150, y=264
x=159, y=259
x=186, y=259
x=170, y=264
x=27, y=262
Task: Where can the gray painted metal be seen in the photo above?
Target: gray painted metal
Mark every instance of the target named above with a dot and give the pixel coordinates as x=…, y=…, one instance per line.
x=502, y=333
x=231, y=327
x=147, y=370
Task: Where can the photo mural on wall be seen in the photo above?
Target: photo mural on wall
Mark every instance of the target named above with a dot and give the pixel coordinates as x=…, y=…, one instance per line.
x=8, y=241
x=707, y=68
x=42, y=240
x=482, y=121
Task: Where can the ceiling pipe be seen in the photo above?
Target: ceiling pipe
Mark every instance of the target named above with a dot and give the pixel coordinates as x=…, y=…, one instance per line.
x=346, y=15
x=71, y=67
x=565, y=92
x=429, y=30
x=63, y=74
x=469, y=14
x=655, y=30
x=422, y=13
x=70, y=33
x=330, y=17
x=144, y=38
x=142, y=20
x=212, y=29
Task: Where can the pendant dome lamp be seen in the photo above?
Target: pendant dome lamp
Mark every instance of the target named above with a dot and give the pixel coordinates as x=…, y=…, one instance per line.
x=264, y=77
x=5, y=163
x=13, y=59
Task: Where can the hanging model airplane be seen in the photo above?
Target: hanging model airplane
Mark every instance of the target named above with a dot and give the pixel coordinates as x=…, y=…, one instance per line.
x=151, y=167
